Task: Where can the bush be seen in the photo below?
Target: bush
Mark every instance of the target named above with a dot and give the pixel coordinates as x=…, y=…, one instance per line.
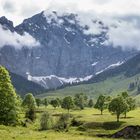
x=30, y=114
x=46, y=121
x=63, y=123
x=81, y=128
x=75, y=122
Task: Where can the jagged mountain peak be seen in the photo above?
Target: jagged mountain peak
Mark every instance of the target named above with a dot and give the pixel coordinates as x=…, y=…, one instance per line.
x=6, y=24
x=68, y=49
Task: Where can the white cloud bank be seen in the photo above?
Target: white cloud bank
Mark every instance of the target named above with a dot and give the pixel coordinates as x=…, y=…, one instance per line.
x=13, y=39
x=125, y=33
x=122, y=32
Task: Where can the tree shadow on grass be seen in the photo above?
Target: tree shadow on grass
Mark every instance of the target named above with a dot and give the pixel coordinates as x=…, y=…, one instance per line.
x=93, y=125
x=127, y=117
x=99, y=114
x=112, y=125
x=96, y=114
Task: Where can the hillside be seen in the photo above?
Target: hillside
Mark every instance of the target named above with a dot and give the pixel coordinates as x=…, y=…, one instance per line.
x=24, y=86
x=109, y=82
x=60, y=48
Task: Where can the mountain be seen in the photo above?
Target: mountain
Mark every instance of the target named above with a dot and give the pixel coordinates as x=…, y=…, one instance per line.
x=125, y=77
x=67, y=53
x=129, y=69
x=23, y=86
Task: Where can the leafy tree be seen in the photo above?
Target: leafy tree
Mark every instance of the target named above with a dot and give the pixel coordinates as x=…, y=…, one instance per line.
x=46, y=121
x=45, y=102
x=131, y=105
x=30, y=114
x=38, y=102
x=55, y=103
x=125, y=95
x=59, y=101
x=8, y=99
x=29, y=101
x=80, y=100
x=118, y=106
x=101, y=103
x=68, y=103
x=30, y=104
x=90, y=103
x=130, y=102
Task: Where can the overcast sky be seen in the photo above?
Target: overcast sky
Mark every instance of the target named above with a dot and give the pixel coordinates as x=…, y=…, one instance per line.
x=124, y=14
x=17, y=10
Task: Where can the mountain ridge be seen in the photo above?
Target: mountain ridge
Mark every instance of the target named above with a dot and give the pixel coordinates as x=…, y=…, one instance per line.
x=65, y=50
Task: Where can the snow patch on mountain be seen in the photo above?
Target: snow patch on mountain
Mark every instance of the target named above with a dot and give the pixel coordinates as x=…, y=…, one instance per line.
x=110, y=66
x=53, y=81
x=94, y=64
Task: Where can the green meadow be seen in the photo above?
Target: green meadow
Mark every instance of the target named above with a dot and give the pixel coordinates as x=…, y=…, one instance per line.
x=92, y=122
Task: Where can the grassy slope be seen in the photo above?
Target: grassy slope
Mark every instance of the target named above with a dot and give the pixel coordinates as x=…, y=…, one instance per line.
x=93, y=120
x=111, y=86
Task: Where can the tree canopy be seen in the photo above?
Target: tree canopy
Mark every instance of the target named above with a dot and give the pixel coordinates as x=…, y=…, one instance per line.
x=9, y=103
x=68, y=103
x=101, y=103
x=118, y=106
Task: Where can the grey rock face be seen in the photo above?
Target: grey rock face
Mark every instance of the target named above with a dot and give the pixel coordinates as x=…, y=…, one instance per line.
x=65, y=50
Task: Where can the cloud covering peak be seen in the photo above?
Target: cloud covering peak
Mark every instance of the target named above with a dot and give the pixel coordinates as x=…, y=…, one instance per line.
x=122, y=17
x=18, y=41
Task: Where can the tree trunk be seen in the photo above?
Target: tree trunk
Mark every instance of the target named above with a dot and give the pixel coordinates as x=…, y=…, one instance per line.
x=118, y=117
x=125, y=115
x=101, y=112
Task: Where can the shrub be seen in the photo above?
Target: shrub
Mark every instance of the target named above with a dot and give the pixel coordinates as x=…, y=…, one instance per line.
x=46, y=121
x=63, y=123
x=81, y=128
x=75, y=122
x=30, y=114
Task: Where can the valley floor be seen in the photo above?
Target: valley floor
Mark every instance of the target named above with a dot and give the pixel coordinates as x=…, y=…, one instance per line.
x=94, y=124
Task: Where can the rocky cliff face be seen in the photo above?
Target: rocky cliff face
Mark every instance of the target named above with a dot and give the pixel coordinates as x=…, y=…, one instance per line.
x=65, y=49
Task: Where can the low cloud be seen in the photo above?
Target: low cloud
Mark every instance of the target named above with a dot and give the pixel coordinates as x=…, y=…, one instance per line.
x=123, y=33
x=124, y=28
x=13, y=39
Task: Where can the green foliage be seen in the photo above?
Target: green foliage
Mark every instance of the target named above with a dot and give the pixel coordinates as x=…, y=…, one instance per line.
x=125, y=95
x=29, y=101
x=80, y=100
x=46, y=121
x=45, y=102
x=30, y=114
x=8, y=99
x=55, y=103
x=30, y=104
x=38, y=102
x=90, y=103
x=130, y=102
x=101, y=103
x=63, y=123
x=59, y=101
x=68, y=103
x=118, y=106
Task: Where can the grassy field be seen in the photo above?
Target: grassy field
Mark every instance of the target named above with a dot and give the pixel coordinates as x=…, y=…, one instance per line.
x=111, y=86
x=94, y=124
